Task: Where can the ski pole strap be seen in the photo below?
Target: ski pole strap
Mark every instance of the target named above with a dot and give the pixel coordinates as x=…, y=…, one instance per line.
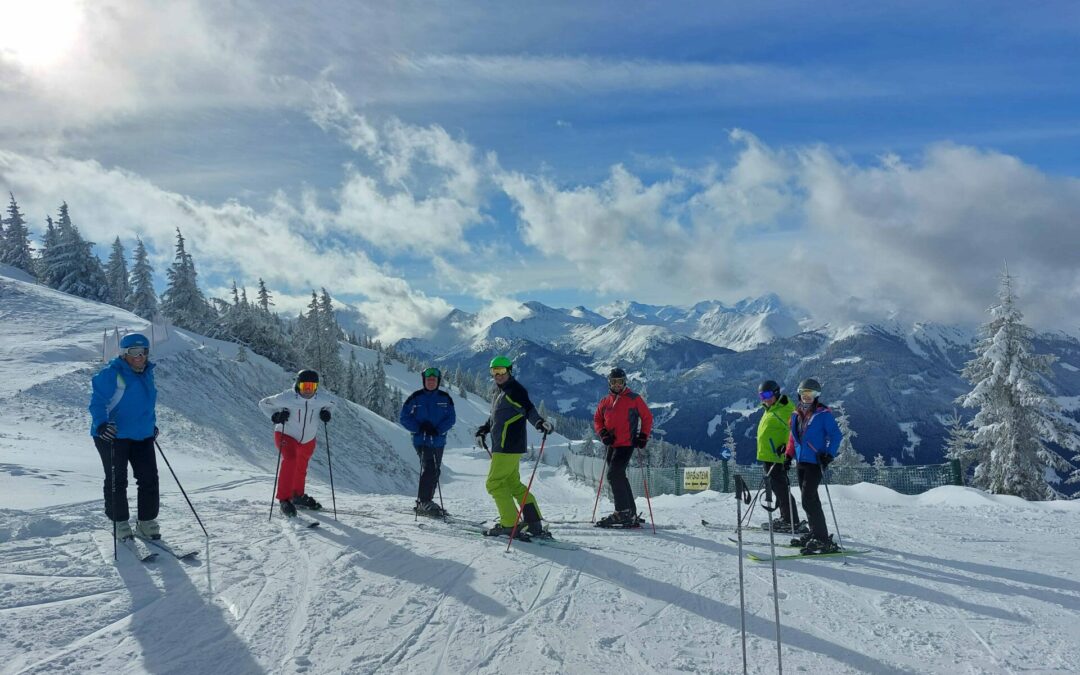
x=741, y=490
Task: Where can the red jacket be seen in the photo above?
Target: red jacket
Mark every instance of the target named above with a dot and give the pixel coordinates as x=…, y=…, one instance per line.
x=624, y=414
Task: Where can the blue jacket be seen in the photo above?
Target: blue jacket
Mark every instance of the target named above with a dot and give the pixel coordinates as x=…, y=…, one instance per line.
x=435, y=407
x=822, y=434
x=125, y=398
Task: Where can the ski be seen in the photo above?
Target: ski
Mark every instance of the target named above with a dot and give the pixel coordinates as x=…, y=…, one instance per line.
x=761, y=543
x=302, y=522
x=471, y=528
x=142, y=552
x=179, y=554
x=799, y=556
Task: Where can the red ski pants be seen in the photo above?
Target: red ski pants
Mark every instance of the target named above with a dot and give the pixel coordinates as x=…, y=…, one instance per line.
x=294, y=461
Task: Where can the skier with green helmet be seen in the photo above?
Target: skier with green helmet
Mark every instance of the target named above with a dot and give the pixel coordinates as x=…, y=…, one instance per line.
x=511, y=409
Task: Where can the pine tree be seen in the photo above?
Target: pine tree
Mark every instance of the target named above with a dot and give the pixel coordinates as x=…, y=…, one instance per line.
x=43, y=265
x=142, y=299
x=264, y=296
x=349, y=391
x=375, y=396
x=1015, y=418
x=241, y=353
x=183, y=302
x=959, y=444
x=116, y=274
x=729, y=439
x=72, y=266
x=846, y=456
x=879, y=461
x=15, y=242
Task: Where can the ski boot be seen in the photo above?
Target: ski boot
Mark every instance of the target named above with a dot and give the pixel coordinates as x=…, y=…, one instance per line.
x=148, y=529
x=801, y=540
x=306, y=502
x=287, y=508
x=621, y=519
x=429, y=509
x=500, y=530
x=123, y=530
x=533, y=524
x=818, y=546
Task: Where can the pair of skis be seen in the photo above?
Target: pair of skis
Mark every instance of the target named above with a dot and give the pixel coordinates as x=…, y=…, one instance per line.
x=146, y=550
x=477, y=528
x=787, y=556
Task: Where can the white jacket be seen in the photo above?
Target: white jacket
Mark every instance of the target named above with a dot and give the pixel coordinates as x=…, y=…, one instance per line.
x=303, y=422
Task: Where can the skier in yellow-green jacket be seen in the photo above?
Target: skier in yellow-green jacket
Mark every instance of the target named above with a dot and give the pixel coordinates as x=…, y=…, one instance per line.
x=772, y=438
x=511, y=410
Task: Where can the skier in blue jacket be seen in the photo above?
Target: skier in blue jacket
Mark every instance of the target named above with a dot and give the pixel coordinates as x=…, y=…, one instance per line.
x=429, y=414
x=814, y=441
x=124, y=426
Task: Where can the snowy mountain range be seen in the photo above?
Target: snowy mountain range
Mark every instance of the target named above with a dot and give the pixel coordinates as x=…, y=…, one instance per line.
x=897, y=379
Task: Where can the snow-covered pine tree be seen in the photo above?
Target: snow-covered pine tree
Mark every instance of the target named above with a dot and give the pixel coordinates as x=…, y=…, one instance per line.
x=43, y=264
x=183, y=302
x=846, y=456
x=958, y=443
x=142, y=300
x=351, y=371
x=330, y=336
x=15, y=242
x=729, y=439
x=116, y=274
x=264, y=297
x=241, y=353
x=1015, y=419
x=375, y=396
x=73, y=267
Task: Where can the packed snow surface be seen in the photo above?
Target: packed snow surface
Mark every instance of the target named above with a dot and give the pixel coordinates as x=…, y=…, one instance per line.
x=955, y=580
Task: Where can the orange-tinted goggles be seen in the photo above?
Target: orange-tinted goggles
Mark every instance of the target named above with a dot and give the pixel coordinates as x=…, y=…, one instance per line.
x=307, y=387
x=499, y=370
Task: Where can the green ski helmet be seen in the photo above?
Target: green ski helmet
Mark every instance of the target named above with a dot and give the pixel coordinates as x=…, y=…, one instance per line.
x=501, y=362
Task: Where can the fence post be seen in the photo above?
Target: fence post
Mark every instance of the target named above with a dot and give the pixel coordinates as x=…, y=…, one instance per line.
x=727, y=476
x=957, y=474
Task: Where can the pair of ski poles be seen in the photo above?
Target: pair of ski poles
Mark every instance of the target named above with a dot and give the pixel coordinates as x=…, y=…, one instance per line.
x=329, y=464
x=644, y=480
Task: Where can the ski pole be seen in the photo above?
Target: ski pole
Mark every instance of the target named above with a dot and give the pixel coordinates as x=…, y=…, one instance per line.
x=600, y=486
x=273, y=494
x=330, y=465
x=768, y=506
x=836, y=526
x=416, y=509
x=528, y=487
x=741, y=493
x=645, y=482
x=205, y=533
x=112, y=471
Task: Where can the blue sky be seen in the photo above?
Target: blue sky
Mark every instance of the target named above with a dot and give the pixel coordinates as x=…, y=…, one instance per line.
x=857, y=160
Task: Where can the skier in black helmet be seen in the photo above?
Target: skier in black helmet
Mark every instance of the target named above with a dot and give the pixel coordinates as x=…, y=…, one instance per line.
x=297, y=410
x=815, y=440
x=623, y=422
x=772, y=439
x=429, y=413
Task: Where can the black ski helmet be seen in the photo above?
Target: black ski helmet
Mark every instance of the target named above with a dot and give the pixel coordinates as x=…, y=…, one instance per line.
x=431, y=371
x=306, y=375
x=811, y=384
x=769, y=385
x=616, y=372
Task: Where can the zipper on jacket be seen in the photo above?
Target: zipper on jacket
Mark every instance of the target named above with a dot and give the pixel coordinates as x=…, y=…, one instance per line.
x=303, y=429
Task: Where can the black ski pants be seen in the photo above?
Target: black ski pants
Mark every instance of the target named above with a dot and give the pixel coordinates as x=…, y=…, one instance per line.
x=809, y=479
x=618, y=459
x=115, y=457
x=430, y=468
x=781, y=490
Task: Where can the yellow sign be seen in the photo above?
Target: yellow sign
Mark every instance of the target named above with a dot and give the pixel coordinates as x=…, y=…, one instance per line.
x=696, y=478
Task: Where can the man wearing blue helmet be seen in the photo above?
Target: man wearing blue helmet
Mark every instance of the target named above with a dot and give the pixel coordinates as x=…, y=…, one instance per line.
x=124, y=426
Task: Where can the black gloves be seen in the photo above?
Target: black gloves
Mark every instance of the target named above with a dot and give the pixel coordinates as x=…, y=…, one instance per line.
x=324, y=415
x=428, y=429
x=280, y=417
x=481, y=435
x=106, y=431
x=787, y=463
x=156, y=432
x=641, y=440
x=545, y=427
x=607, y=437
x=824, y=459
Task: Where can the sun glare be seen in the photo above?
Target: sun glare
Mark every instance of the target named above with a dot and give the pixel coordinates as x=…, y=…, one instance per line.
x=36, y=34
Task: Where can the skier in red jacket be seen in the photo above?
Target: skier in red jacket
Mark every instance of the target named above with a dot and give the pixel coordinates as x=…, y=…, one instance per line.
x=623, y=422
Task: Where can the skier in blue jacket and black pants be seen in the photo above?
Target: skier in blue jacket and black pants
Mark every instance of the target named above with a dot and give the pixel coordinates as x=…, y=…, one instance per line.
x=814, y=442
x=429, y=414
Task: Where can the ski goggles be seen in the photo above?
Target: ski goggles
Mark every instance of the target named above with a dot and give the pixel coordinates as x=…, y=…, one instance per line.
x=766, y=395
x=307, y=387
x=617, y=381
x=811, y=392
x=432, y=372
x=500, y=370
x=137, y=351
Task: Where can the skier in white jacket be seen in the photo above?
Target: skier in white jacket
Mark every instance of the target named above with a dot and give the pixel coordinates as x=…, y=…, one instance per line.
x=297, y=410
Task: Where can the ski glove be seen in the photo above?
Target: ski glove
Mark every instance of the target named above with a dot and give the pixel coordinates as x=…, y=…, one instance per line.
x=428, y=429
x=545, y=427
x=156, y=432
x=106, y=431
x=481, y=435
x=787, y=464
x=324, y=415
x=641, y=440
x=824, y=459
x=280, y=417
x=607, y=437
